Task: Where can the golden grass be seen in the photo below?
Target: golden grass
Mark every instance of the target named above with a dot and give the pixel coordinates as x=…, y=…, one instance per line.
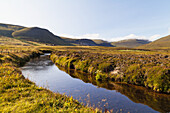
x=18, y=94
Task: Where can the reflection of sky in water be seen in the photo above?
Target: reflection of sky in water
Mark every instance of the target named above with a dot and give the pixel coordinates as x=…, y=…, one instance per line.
x=46, y=74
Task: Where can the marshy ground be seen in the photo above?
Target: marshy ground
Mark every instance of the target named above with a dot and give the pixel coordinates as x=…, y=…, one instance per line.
x=147, y=68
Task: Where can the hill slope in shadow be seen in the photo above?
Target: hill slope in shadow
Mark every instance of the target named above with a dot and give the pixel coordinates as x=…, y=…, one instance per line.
x=37, y=34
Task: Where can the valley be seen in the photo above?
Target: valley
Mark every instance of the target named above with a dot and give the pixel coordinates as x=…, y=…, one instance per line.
x=126, y=67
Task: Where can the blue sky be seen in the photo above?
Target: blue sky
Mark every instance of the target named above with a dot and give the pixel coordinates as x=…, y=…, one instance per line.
x=110, y=20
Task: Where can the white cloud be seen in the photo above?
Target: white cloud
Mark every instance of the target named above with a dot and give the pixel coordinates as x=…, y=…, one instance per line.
x=86, y=36
x=133, y=36
x=97, y=36
x=154, y=37
x=91, y=36
x=130, y=36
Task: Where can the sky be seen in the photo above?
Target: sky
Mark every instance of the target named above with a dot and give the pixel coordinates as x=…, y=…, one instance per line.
x=110, y=20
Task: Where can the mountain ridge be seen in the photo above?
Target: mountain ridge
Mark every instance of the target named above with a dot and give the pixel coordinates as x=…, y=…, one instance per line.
x=38, y=35
x=101, y=42
x=131, y=43
x=163, y=42
x=44, y=36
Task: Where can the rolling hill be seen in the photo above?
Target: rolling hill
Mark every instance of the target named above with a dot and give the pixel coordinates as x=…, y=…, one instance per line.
x=33, y=34
x=88, y=42
x=100, y=42
x=80, y=42
x=39, y=35
x=44, y=36
x=131, y=43
x=7, y=29
x=161, y=43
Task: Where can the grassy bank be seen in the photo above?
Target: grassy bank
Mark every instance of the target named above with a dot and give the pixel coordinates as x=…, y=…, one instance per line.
x=151, y=70
x=137, y=94
x=18, y=94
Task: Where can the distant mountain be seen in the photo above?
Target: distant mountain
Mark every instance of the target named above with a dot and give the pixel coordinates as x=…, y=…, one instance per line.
x=37, y=34
x=7, y=29
x=87, y=42
x=31, y=34
x=158, y=44
x=10, y=27
x=44, y=36
x=80, y=42
x=131, y=43
x=103, y=43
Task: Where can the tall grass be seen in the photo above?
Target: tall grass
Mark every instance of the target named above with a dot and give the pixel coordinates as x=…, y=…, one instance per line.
x=149, y=69
x=18, y=94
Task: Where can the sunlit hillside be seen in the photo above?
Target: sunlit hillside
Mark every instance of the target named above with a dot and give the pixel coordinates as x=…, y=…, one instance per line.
x=162, y=43
x=130, y=43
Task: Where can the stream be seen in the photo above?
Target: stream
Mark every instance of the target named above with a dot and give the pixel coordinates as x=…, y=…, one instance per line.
x=112, y=96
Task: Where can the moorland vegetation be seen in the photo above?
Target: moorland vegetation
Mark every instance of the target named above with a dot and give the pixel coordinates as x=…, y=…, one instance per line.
x=18, y=94
x=146, y=68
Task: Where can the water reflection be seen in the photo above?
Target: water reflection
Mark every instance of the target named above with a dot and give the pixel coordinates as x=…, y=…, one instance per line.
x=138, y=94
x=39, y=63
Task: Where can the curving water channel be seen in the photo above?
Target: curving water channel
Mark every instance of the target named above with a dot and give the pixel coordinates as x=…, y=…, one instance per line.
x=113, y=96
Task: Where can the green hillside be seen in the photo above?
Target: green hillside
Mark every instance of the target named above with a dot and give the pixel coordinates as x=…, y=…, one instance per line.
x=39, y=35
x=131, y=43
x=10, y=27
x=80, y=42
x=87, y=42
x=33, y=34
x=7, y=29
x=161, y=43
x=100, y=42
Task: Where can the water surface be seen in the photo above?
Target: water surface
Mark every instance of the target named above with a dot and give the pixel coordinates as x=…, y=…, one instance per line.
x=118, y=97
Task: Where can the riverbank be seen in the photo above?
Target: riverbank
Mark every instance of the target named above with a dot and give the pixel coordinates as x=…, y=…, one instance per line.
x=138, y=94
x=18, y=94
x=148, y=70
